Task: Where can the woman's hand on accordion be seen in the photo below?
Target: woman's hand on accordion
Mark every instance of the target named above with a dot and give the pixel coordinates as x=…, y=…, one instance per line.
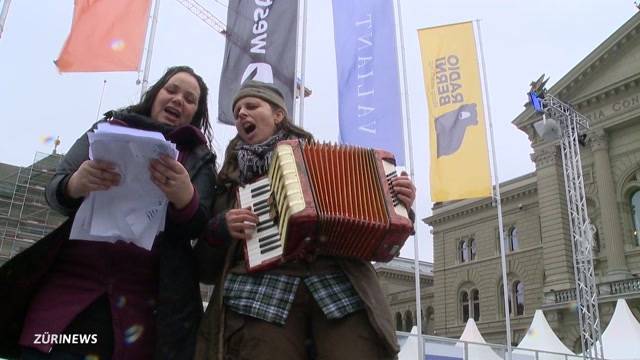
x=239, y=221
x=405, y=189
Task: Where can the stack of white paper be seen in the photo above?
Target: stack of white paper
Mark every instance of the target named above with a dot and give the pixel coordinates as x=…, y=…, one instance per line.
x=135, y=210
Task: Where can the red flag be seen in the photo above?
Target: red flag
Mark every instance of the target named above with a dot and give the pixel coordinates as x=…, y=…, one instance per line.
x=106, y=35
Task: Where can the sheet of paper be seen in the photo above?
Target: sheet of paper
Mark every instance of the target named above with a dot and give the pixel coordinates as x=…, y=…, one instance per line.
x=135, y=210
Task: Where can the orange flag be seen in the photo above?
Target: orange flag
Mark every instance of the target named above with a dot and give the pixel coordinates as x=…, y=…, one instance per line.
x=106, y=35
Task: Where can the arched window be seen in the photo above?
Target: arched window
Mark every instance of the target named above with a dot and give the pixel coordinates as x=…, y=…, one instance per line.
x=513, y=239
x=518, y=297
x=635, y=213
x=472, y=249
x=427, y=328
x=399, y=322
x=464, y=303
x=501, y=300
x=475, y=299
x=408, y=320
x=463, y=252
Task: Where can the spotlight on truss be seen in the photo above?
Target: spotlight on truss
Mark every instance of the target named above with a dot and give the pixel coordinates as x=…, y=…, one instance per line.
x=548, y=129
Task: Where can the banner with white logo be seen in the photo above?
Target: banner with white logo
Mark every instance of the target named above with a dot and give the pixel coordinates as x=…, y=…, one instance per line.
x=260, y=45
x=368, y=85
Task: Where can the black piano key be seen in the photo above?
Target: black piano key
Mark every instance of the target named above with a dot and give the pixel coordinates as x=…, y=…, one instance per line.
x=259, y=188
x=271, y=248
x=261, y=202
x=264, y=222
x=268, y=237
x=261, y=192
x=268, y=224
x=269, y=243
x=260, y=207
x=262, y=212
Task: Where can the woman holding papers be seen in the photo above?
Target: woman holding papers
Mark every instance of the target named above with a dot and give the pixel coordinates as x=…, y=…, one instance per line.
x=75, y=297
x=336, y=304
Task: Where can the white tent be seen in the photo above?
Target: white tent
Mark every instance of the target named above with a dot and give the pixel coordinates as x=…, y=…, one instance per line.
x=621, y=338
x=476, y=351
x=409, y=350
x=541, y=337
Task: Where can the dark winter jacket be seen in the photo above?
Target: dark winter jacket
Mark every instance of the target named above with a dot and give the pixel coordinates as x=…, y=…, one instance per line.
x=179, y=306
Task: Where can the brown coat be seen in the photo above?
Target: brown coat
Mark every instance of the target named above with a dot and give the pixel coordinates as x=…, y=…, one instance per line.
x=216, y=263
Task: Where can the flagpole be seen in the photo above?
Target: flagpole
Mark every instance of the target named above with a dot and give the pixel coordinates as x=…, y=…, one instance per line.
x=147, y=60
x=3, y=15
x=503, y=260
x=409, y=138
x=300, y=89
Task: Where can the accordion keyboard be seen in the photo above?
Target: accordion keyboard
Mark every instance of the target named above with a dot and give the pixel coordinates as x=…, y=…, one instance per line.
x=264, y=242
x=391, y=173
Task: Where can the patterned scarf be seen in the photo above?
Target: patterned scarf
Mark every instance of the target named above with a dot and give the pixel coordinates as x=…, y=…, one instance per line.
x=254, y=159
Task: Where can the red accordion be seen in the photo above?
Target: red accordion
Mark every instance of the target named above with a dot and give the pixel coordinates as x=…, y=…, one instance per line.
x=327, y=200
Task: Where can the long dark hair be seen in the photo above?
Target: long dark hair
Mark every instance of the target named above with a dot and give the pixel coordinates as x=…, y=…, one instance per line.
x=201, y=116
x=230, y=158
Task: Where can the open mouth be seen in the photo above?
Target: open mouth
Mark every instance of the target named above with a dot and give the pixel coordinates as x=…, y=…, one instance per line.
x=249, y=128
x=172, y=112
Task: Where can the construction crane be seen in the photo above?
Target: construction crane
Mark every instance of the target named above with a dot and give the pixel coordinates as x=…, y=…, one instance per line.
x=561, y=121
x=203, y=14
x=3, y=14
x=216, y=24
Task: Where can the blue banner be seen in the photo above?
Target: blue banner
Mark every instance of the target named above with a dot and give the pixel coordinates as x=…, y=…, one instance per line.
x=368, y=85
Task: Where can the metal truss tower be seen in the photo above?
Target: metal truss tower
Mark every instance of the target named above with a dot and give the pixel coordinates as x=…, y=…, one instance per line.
x=571, y=125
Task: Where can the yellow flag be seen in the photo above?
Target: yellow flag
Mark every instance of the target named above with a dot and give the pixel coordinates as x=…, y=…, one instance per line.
x=459, y=155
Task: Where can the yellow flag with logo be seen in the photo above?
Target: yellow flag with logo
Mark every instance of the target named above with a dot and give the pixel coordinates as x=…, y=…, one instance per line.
x=459, y=155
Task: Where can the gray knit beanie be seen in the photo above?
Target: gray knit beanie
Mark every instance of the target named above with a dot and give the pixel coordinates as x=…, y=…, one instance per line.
x=265, y=91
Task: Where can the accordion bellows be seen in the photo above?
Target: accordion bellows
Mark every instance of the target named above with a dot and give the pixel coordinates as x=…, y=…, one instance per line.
x=328, y=200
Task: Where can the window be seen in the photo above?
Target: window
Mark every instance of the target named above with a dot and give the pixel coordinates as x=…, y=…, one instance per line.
x=635, y=213
x=429, y=316
x=399, y=322
x=475, y=298
x=513, y=239
x=518, y=297
x=467, y=250
x=470, y=304
x=408, y=321
x=515, y=293
x=464, y=301
x=472, y=249
x=463, y=253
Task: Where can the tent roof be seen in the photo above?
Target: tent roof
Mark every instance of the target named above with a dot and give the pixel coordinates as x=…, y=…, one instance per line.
x=409, y=350
x=541, y=337
x=471, y=333
x=622, y=327
x=475, y=351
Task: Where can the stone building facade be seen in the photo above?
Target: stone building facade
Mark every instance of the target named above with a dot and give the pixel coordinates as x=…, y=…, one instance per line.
x=605, y=87
x=397, y=278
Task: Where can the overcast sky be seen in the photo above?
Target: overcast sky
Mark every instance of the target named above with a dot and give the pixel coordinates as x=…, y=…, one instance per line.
x=521, y=40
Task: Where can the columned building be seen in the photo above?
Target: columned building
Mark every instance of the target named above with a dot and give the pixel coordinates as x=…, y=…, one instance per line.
x=605, y=87
x=398, y=283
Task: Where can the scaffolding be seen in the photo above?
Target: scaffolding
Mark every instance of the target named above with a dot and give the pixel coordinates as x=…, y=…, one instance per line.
x=25, y=216
x=570, y=126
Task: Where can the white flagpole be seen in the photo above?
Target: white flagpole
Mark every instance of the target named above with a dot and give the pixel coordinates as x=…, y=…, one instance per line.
x=410, y=163
x=503, y=260
x=147, y=60
x=299, y=88
x=3, y=15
